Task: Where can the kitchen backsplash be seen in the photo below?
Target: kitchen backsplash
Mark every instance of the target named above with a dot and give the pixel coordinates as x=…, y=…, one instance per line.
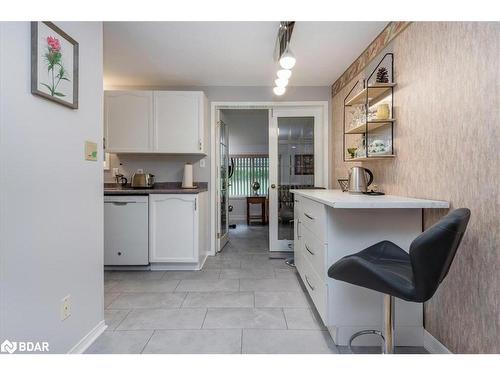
x=166, y=168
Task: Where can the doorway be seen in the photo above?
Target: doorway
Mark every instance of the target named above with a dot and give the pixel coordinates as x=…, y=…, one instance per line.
x=252, y=179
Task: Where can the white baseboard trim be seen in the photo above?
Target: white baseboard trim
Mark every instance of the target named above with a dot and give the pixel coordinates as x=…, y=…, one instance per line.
x=88, y=339
x=433, y=345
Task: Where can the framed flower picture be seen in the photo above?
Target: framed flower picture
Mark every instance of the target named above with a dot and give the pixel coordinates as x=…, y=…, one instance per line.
x=54, y=64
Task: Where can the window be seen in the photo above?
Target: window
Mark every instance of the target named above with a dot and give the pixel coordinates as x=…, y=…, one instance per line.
x=247, y=170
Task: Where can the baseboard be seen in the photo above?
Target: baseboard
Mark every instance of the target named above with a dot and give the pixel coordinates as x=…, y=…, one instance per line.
x=433, y=345
x=88, y=339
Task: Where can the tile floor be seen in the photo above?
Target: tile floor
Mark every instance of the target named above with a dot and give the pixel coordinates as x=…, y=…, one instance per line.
x=241, y=302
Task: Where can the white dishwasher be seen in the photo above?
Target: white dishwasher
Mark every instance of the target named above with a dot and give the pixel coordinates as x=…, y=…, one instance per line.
x=126, y=232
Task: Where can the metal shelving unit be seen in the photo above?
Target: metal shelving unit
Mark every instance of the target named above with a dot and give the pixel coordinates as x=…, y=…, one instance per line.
x=368, y=95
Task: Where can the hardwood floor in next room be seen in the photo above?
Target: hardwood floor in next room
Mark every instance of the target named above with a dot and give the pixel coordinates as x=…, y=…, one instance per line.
x=241, y=302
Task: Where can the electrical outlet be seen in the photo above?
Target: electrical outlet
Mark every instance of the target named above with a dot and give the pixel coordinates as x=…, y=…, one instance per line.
x=202, y=163
x=66, y=307
x=116, y=171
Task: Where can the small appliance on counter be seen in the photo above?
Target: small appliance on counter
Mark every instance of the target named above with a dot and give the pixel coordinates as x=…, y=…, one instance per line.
x=187, y=179
x=141, y=180
x=358, y=183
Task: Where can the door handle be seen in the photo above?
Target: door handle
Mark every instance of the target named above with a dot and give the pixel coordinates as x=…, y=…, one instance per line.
x=307, y=248
x=273, y=186
x=309, y=216
x=307, y=280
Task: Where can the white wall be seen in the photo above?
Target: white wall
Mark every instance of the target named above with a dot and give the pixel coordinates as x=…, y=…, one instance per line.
x=51, y=199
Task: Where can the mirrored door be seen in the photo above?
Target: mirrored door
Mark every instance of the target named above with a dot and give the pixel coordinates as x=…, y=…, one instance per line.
x=223, y=184
x=295, y=163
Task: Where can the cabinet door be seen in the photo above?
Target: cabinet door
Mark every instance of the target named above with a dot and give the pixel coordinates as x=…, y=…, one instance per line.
x=173, y=228
x=178, y=122
x=128, y=118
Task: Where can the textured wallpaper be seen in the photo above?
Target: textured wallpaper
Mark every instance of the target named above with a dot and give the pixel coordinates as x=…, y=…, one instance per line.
x=447, y=105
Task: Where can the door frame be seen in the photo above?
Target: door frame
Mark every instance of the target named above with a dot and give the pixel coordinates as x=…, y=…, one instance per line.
x=270, y=105
x=220, y=242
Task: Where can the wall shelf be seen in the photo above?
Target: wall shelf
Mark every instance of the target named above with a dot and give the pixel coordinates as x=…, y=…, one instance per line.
x=366, y=96
x=372, y=125
x=375, y=93
x=373, y=157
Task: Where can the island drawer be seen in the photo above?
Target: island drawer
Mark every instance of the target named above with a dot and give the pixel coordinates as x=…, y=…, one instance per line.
x=316, y=288
x=313, y=216
x=314, y=251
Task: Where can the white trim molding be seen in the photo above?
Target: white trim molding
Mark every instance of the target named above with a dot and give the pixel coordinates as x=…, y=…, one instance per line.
x=433, y=345
x=88, y=339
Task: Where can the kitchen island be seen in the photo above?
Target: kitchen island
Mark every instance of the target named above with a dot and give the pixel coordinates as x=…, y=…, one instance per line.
x=330, y=224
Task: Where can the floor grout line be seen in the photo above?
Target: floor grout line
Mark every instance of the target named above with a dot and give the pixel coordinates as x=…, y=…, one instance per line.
x=147, y=342
x=205, y=317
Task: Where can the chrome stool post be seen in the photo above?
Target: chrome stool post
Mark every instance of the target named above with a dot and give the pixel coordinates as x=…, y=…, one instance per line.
x=388, y=333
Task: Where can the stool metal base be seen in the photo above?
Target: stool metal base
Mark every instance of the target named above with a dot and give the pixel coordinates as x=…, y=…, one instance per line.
x=388, y=334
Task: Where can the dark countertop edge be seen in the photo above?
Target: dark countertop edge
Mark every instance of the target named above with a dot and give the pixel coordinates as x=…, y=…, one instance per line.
x=160, y=188
x=154, y=191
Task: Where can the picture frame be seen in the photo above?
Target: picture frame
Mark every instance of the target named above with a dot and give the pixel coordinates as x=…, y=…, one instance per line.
x=304, y=164
x=54, y=64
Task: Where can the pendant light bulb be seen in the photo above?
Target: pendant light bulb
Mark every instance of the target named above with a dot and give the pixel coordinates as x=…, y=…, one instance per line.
x=280, y=82
x=284, y=73
x=287, y=60
x=279, y=90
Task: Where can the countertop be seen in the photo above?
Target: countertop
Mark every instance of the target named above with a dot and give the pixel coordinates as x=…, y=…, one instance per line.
x=338, y=199
x=158, y=188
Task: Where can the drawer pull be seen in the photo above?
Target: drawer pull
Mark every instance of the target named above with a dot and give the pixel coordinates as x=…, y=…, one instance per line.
x=298, y=229
x=307, y=280
x=309, y=216
x=307, y=248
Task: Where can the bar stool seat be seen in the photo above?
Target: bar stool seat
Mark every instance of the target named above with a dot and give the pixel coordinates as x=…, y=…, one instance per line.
x=414, y=276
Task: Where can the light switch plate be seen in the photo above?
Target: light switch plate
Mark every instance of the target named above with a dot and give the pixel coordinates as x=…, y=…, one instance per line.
x=90, y=151
x=202, y=163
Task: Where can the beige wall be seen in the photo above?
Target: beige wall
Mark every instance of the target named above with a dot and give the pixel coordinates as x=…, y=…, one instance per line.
x=447, y=139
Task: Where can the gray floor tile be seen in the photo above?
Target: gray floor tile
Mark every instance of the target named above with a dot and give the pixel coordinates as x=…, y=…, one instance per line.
x=163, y=319
x=208, y=286
x=148, y=301
x=192, y=275
x=229, y=263
x=219, y=299
x=114, y=317
x=286, y=273
x=302, y=319
x=270, y=285
x=144, y=286
x=281, y=299
x=195, y=342
x=109, y=298
x=125, y=342
x=256, y=341
x=250, y=273
x=219, y=318
x=110, y=285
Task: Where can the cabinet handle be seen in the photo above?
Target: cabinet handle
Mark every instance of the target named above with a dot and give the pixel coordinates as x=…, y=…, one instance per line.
x=195, y=204
x=298, y=229
x=309, y=216
x=307, y=248
x=307, y=280
x=121, y=203
x=199, y=144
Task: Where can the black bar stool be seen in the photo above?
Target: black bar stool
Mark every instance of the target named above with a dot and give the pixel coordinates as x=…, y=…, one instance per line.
x=415, y=277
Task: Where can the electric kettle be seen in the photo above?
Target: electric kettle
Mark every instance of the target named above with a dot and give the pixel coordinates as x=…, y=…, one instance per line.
x=358, y=183
x=142, y=180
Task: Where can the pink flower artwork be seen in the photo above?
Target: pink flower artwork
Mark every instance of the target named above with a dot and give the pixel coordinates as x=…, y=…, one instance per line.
x=55, y=67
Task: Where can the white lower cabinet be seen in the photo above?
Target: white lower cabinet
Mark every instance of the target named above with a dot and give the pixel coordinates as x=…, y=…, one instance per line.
x=323, y=235
x=175, y=235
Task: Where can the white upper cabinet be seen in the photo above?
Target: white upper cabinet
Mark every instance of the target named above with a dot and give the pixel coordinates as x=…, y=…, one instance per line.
x=155, y=121
x=178, y=121
x=128, y=119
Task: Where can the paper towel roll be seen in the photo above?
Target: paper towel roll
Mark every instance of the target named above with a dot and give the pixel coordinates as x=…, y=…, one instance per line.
x=187, y=181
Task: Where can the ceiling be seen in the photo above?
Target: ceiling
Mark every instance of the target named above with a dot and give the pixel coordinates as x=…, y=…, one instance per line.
x=228, y=53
